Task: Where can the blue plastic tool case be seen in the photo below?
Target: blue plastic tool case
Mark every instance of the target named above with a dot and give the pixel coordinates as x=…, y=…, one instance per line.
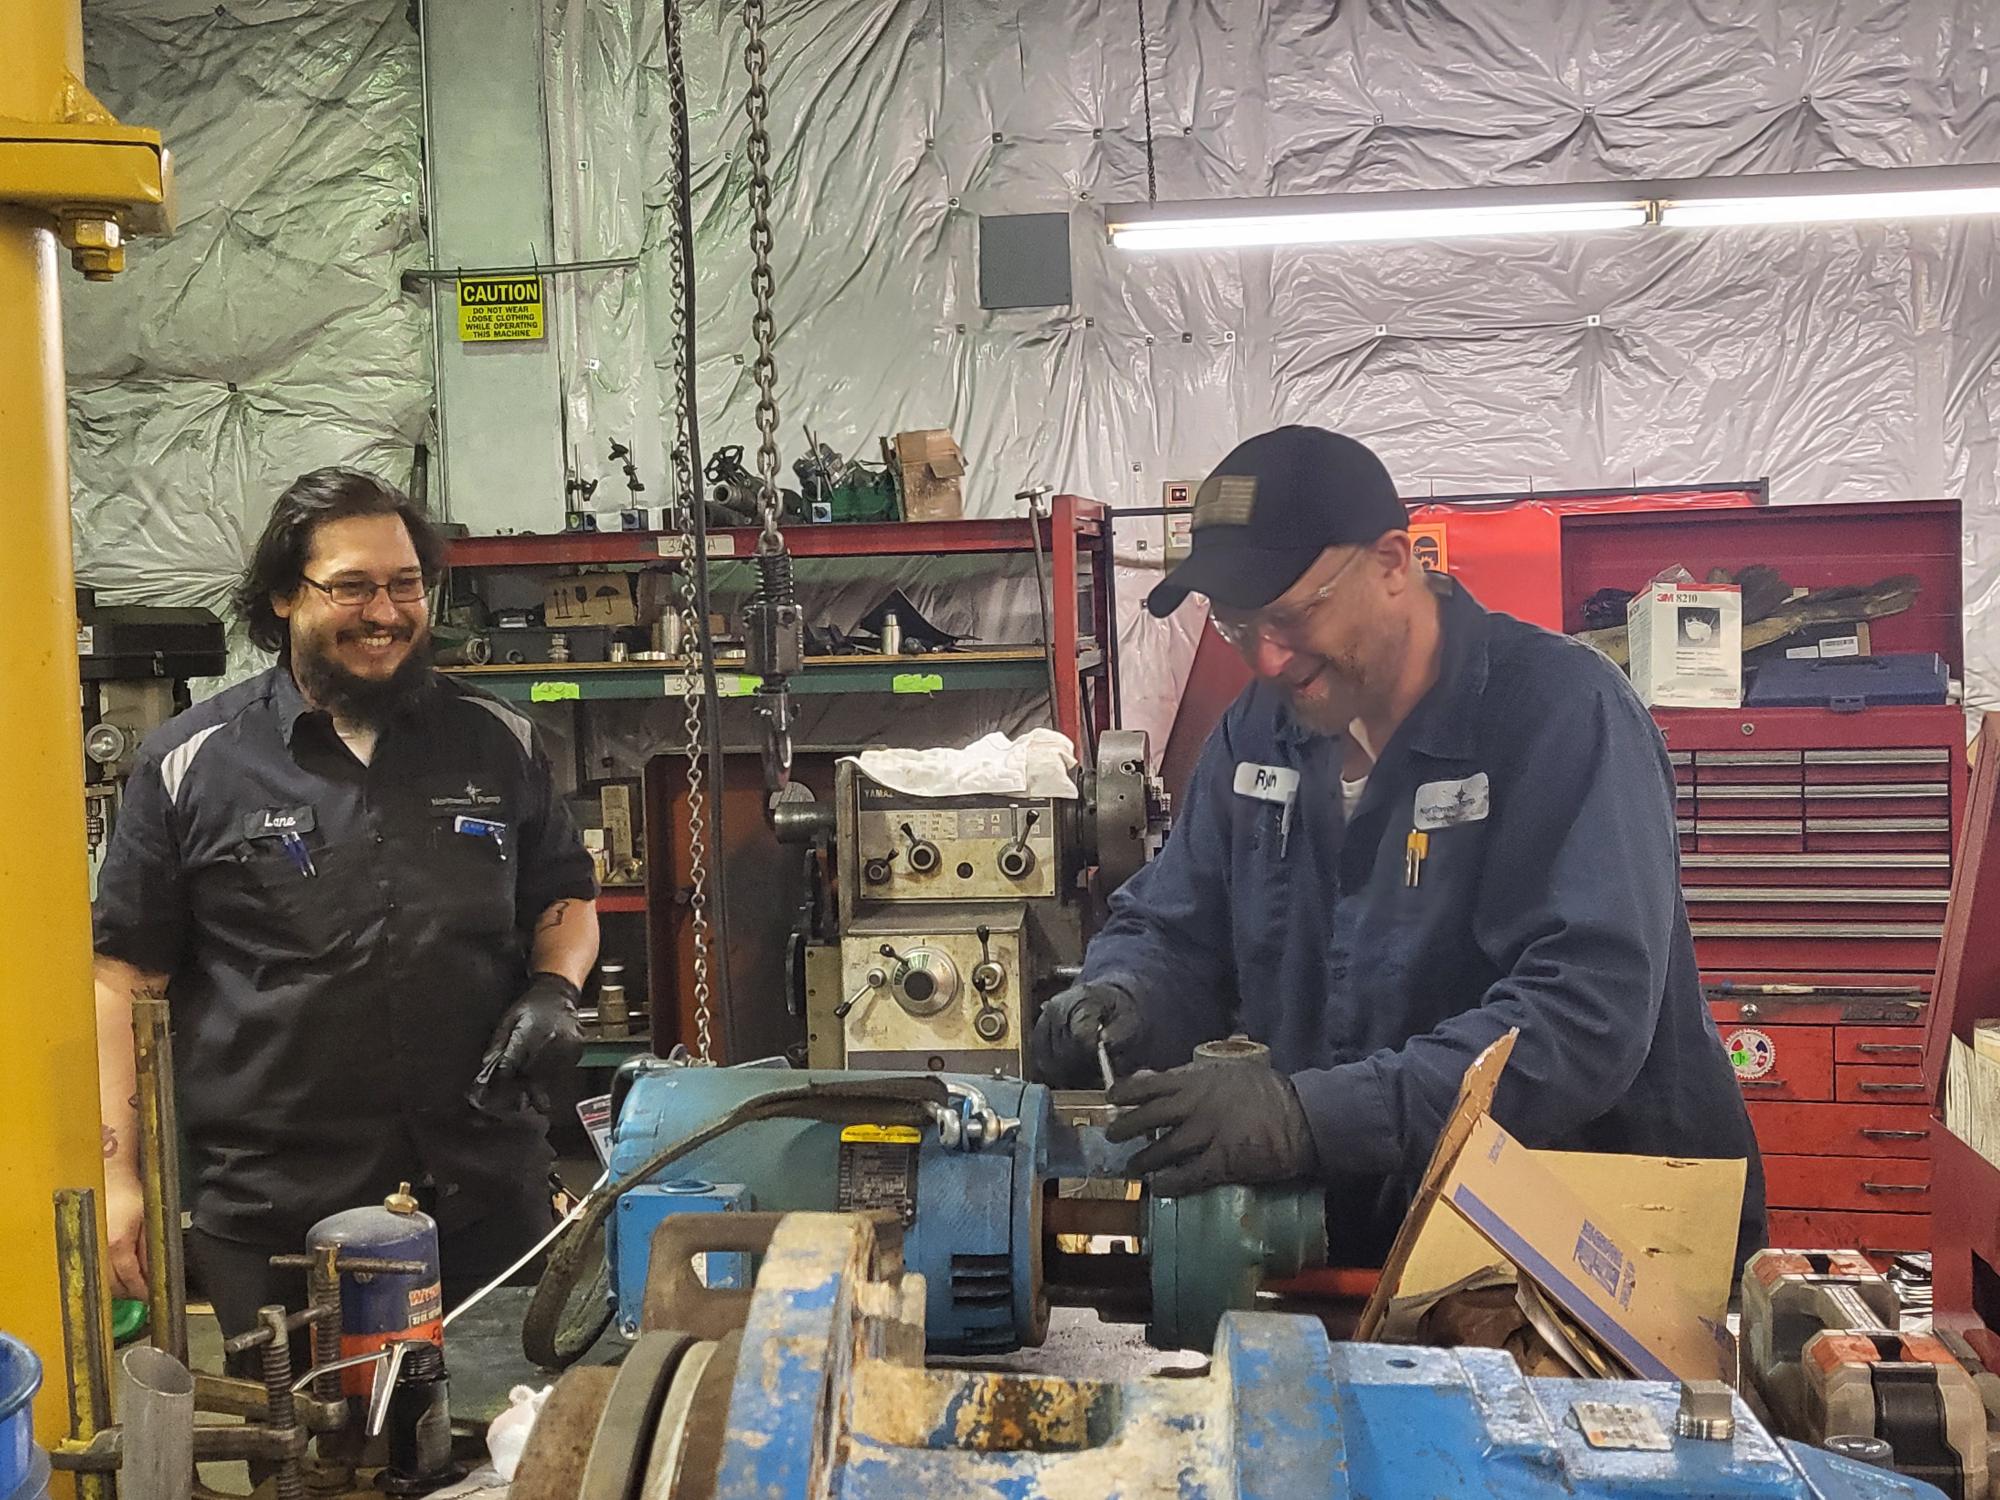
x=1849, y=683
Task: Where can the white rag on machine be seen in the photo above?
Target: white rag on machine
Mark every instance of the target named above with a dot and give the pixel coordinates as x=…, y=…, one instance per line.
x=1041, y=763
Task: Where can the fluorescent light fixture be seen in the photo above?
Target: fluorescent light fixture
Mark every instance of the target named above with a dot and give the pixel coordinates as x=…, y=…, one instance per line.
x=1336, y=218
x=1374, y=224
x=1844, y=197
x=1824, y=198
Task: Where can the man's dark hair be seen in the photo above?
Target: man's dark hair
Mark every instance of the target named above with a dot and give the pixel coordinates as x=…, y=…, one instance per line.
x=279, y=563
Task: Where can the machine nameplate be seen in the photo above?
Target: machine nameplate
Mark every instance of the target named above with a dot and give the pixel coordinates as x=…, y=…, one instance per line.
x=878, y=1175
x=1621, y=1425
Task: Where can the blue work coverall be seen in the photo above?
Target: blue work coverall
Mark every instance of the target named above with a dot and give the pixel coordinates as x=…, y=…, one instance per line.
x=1547, y=898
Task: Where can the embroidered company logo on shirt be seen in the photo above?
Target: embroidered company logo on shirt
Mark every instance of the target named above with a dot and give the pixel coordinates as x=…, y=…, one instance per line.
x=471, y=795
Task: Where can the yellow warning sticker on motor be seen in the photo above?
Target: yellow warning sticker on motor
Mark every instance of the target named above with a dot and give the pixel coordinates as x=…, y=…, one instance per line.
x=495, y=309
x=882, y=1135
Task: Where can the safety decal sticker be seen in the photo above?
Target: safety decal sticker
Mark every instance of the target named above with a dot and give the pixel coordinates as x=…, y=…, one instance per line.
x=1751, y=1053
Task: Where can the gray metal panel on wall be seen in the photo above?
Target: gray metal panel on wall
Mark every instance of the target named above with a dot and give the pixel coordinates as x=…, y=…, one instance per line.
x=486, y=141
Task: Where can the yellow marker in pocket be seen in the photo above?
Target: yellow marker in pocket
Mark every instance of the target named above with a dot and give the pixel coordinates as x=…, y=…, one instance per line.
x=1414, y=849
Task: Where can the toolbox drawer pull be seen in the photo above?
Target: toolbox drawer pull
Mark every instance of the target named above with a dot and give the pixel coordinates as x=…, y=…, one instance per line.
x=1891, y=1088
x=1876, y=1049
x=1763, y=1083
x=1895, y=1135
x=1893, y=1187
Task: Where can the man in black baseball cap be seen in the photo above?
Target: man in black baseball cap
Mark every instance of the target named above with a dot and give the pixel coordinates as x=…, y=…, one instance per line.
x=1421, y=826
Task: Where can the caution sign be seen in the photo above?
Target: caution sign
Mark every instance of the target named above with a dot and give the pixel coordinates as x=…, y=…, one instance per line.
x=494, y=309
x=1428, y=545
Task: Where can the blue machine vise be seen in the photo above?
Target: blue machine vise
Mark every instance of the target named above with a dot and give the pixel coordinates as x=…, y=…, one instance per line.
x=970, y=1169
x=818, y=1391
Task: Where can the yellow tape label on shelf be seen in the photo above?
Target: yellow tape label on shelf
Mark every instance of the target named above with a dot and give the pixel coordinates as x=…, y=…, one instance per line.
x=498, y=309
x=882, y=1135
x=554, y=692
x=736, y=684
x=917, y=682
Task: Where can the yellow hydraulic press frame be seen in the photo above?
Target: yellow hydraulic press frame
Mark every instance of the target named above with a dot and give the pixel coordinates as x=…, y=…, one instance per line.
x=71, y=177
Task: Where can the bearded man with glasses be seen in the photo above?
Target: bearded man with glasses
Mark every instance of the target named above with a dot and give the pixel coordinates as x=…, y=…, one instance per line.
x=369, y=911
x=1424, y=824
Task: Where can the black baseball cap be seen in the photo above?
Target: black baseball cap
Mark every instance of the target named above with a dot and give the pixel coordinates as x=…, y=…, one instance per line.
x=1271, y=507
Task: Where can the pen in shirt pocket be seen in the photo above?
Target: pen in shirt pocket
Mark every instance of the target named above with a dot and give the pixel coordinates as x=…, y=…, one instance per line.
x=301, y=856
x=483, y=828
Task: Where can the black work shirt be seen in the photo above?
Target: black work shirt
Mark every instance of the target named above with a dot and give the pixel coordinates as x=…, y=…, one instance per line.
x=340, y=942
x=1547, y=897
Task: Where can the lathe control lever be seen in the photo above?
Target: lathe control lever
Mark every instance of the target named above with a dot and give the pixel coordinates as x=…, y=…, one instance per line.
x=987, y=977
x=924, y=855
x=1017, y=860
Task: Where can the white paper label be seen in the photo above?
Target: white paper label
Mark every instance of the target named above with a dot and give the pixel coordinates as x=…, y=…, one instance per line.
x=1279, y=784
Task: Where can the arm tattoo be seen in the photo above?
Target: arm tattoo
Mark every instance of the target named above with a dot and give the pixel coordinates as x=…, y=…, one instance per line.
x=110, y=1143
x=553, y=917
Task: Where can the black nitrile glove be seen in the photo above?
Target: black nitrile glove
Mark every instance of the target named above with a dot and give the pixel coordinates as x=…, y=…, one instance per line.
x=1064, y=1048
x=538, y=1037
x=1232, y=1123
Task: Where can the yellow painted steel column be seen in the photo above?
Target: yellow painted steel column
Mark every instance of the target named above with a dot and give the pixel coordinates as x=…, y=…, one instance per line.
x=51, y=132
x=49, y=1131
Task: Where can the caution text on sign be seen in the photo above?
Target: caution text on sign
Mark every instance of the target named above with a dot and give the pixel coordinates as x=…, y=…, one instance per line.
x=494, y=309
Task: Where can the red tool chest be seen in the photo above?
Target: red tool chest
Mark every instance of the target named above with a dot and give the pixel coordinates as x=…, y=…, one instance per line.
x=1816, y=854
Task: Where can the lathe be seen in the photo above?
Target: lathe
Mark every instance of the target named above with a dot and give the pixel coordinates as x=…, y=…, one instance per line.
x=814, y=1386
x=984, y=1179
x=957, y=916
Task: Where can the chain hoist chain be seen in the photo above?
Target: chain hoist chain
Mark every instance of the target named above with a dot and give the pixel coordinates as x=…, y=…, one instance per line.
x=687, y=495
x=763, y=327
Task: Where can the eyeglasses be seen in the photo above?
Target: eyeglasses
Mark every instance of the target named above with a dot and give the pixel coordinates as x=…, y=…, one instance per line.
x=353, y=593
x=1280, y=623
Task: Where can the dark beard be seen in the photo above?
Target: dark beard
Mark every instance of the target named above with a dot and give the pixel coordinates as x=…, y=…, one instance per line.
x=361, y=700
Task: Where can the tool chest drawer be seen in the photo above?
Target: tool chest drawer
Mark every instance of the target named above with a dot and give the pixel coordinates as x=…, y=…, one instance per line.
x=1816, y=839
x=1782, y=1062
x=1879, y=1236
x=1870, y=1084
x=1788, y=1129
x=1866, y=1184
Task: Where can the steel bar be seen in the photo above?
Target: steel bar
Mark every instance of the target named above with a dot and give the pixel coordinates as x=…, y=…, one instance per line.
x=160, y=1175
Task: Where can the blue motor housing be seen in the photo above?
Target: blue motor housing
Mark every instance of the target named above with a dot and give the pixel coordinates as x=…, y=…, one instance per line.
x=972, y=1218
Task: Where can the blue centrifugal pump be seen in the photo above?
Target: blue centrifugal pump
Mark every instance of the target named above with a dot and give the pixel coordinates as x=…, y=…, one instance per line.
x=997, y=1189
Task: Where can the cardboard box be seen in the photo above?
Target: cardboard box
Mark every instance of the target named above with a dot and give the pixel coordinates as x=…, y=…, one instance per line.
x=1589, y=1272
x=1686, y=643
x=589, y=599
x=930, y=466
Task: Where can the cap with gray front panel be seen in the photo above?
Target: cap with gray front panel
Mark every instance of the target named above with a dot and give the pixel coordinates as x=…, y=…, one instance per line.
x=1271, y=507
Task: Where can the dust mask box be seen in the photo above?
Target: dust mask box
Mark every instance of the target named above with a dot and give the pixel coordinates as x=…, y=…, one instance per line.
x=1686, y=643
